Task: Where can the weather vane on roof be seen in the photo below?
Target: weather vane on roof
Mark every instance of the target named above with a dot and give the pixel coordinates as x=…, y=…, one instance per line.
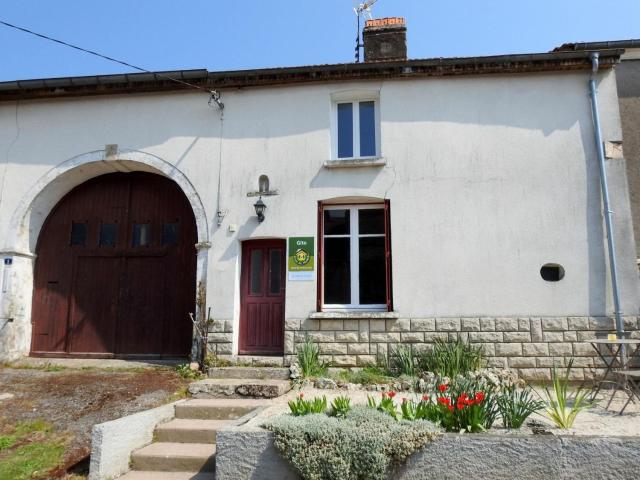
x=361, y=10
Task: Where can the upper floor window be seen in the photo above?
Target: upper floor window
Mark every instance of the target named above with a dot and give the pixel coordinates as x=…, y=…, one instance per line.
x=355, y=126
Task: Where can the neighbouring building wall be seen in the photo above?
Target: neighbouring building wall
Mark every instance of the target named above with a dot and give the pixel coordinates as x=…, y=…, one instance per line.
x=628, y=80
x=488, y=179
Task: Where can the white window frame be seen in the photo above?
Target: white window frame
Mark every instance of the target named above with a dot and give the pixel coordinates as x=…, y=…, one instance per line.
x=354, y=97
x=354, y=259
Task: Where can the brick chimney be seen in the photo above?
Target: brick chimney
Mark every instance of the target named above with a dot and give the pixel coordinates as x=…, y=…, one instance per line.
x=385, y=39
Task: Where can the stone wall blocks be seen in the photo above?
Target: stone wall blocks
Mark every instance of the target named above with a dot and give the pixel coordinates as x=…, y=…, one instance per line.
x=586, y=336
x=351, y=324
x=536, y=329
x=522, y=362
x=486, y=337
x=333, y=348
x=630, y=323
x=344, y=361
x=377, y=325
x=583, y=350
x=583, y=362
x=310, y=324
x=558, y=324
x=331, y=324
x=455, y=336
x=292, y=324
x=507, y=324
x=224, y=349
x=386, y=337
x=536, y=373
x=552, y=336
x=601, y=323
x=560, y=349
x=346, y=336
x=489, y=349
x=220, y=337
x=508, y=349
x=578, y=323
x=289, y=343
x=497, y=362
x=570, y=336
x=517, y=336
x=535, y=349
x=363, y=360
x=550, y=362
x=576, y=374
x=447, y=324
x=524, y=325
x=321, y=337
x=217, y=326
x=433, y=336
x=398, y=325
x=470, y=324
x=423, y=324
x=358, y=349
x=300, y=337
x=487, y=324
x=412, y=337
x=382, y=350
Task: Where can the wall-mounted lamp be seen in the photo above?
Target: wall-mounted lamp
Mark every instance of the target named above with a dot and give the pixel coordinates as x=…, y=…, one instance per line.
x=260, y=208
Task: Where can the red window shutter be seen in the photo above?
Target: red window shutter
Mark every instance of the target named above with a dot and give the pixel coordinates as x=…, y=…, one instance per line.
x=319, y=282
x=387, y=253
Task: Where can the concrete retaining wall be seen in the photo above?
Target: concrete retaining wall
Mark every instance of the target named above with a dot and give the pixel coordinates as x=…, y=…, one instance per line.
x=112, y=442
x=248, y=453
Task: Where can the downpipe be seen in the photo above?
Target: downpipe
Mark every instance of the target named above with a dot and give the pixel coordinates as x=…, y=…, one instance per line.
x=613, y=265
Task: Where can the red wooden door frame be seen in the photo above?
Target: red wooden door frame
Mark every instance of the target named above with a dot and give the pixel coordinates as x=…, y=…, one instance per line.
x=262, y=313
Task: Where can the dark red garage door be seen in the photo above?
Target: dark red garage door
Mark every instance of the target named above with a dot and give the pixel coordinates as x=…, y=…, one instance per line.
x=115, y=270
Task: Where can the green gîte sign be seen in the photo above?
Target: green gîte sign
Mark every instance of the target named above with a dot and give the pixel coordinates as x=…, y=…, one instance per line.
x=301, y=258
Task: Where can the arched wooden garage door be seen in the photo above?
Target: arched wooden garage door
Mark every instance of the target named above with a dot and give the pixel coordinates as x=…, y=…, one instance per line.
x=115, y=270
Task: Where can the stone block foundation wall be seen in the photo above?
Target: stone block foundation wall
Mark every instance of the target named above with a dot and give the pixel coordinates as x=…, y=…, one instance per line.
x=530, y=345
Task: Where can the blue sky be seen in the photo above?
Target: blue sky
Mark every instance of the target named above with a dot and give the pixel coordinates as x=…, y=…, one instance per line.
x=226, y=34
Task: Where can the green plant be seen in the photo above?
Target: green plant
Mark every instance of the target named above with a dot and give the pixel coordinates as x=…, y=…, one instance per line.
x=516, y=405
x=185, y=371
x=308, y=355
x=340, y=406
x=369, y=375
x=212, y=360
x=402, y=361
x=386, y=404
x=562, y=406
x=300, y=406
x=364, y=445
x=450, y=359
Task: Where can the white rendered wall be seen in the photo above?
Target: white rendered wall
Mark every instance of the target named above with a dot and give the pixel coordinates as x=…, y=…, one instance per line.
x=489, y=178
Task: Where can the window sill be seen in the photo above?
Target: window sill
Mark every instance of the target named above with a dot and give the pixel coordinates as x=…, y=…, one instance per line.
x=353, y=315
x=356, y=163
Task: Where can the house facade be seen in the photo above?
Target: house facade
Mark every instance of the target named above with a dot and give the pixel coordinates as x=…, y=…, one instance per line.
x=400, y=201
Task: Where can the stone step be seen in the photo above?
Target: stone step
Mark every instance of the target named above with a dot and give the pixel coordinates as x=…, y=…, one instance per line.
x=263, y=373
x=217, y=409
x=234, y=387
x=189, y=430
x=139, y=475
x=175, y=457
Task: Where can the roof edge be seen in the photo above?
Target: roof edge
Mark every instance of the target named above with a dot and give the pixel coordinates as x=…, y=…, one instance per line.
x=131, y=83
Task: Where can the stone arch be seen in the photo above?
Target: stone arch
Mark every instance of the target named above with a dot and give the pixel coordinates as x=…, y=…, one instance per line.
x=38, y=202
x=34, y=207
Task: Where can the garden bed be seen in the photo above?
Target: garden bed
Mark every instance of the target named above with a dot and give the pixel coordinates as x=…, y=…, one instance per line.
x=601, y=444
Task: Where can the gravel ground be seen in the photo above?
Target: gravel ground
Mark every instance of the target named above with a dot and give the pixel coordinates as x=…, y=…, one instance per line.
x=74, y=400
x=595, y=421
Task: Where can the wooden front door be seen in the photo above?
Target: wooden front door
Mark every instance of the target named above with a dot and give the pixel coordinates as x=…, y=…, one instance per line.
x=115, y=270
x=262, y=297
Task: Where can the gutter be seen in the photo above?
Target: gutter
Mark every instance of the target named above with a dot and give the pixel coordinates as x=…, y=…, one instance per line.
x=595, y=61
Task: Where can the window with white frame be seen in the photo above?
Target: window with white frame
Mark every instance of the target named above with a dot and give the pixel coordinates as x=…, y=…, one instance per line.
x=356, y=128
x=355, y=257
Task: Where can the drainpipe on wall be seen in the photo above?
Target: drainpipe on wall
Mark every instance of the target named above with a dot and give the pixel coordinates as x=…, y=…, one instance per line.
x=605, y=193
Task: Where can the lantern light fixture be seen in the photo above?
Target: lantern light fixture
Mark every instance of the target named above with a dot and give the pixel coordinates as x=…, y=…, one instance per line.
x=260, y=208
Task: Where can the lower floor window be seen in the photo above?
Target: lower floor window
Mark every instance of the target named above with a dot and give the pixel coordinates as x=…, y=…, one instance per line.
x=355, y=257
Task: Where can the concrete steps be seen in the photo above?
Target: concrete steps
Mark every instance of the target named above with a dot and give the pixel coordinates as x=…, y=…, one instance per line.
x=217, y=409
x=238, y=388
x=190, y=430
x=134, y=475
x=262, y=373
x=185, y=446
x=175, y=457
